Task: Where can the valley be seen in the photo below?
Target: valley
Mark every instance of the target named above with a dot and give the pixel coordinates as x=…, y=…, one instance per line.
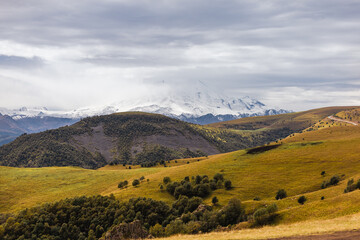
x=314, y=151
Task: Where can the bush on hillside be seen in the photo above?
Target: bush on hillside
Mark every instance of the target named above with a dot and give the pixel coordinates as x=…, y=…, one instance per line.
x=228, y=184
x=352, y=186
x=265, y=215
x=214, y=200
x=334, y=180
x=166, y=180
x=281, y=194
x=123, y=184
x=302, y=200
x=136, y=182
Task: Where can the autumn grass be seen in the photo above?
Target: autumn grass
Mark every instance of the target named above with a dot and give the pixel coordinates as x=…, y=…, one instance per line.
x=294, y=121
x=313, y=227
x=26, y=187
x=295, y=166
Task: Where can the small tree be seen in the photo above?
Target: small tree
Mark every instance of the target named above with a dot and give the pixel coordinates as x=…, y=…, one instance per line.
x=265, y=215
x=218, y=177
x=302, y=200
x=215, y=200
x=136, y=182
x=166, y=180
x=281, y=194
x=334, y=180
x=228, y=184
x=157, y=230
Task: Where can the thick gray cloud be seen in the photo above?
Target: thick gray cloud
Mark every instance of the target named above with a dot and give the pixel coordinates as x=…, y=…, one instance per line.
x=293, y=54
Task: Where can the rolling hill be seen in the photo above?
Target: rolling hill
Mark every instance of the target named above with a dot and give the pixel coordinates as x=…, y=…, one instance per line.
x=290, y=122
x=300, y=165
x=124, y=138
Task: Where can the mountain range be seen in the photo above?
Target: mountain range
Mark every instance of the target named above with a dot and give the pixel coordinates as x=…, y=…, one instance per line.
x=200, y=105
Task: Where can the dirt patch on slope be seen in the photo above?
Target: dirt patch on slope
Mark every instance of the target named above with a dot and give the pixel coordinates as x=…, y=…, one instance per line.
x=175, y=141
x=97, y=142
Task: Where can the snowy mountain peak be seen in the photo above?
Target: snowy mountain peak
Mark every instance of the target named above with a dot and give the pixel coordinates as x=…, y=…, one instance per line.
x=195, y=102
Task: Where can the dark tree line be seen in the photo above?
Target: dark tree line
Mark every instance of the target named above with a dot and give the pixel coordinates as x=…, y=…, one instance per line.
x=199, y=186
x=91, y=217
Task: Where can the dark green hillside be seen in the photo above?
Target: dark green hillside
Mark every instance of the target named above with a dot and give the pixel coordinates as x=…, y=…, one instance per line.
x=126, y=138
x=129, y=138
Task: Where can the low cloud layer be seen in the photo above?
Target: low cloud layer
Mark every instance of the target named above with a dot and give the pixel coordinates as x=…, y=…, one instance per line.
x=69, y=54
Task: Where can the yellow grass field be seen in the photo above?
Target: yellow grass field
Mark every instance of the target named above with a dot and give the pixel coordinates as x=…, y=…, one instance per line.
x=295, y=166
x=304, y=228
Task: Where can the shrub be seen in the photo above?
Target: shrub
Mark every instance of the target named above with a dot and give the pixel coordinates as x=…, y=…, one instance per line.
x=232, y=213
x=323, y=173
x=166, y=180
x=302, y=200
x=123, y=184
x=192, y=227
x=142, y=178
x=281, y=194
x=261, y=215
x=351, y=186
x=218, y=177
x=175, y=227
x=325, y=184
x=215, y=200
x=272, y=208
x=322, y=198
x=157, y=231
x=136, y=182
x=334, y=180
x=265, y=215
x=227, y=184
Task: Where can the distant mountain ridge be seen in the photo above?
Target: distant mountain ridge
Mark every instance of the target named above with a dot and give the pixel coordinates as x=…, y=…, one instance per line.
x=12, y=127
x=199, y=105
x=123, y=138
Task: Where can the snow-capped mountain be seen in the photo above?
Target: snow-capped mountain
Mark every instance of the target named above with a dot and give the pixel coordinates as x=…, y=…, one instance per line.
x=199, y=102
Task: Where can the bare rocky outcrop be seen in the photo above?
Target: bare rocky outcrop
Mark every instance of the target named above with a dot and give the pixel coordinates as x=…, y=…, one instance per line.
x=133, y=230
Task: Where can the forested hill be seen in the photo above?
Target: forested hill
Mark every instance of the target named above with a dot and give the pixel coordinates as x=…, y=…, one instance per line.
x=133, y=138
x=123, y=138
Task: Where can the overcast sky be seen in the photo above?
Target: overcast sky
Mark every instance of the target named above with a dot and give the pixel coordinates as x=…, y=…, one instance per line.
x=69, y=54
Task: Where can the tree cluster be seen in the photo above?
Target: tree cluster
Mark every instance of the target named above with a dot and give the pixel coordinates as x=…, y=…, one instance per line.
x=157, y=154
x=99, y=216
x=352, y=186
x=199, y=186
x=334, y=180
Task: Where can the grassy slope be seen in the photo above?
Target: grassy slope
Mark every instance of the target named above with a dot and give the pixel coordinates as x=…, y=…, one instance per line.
x=294, y=121
x=352, y=115
x=295, y=166
x=310, y=227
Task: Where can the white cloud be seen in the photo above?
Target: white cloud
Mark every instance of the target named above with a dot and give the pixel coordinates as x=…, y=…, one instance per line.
x=292, y=54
